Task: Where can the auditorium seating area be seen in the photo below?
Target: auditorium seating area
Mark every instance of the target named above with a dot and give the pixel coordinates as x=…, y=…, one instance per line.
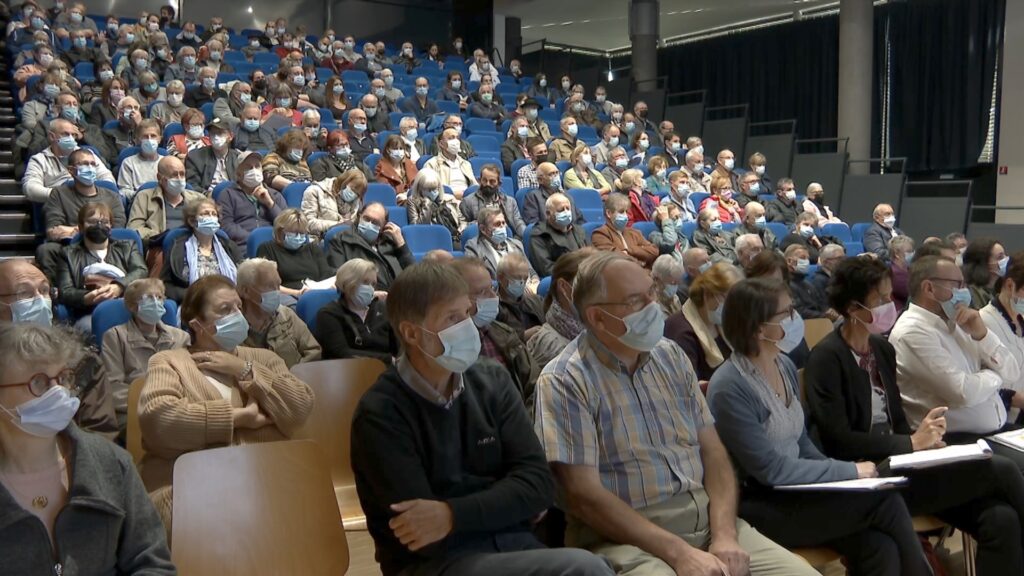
x=59, y=114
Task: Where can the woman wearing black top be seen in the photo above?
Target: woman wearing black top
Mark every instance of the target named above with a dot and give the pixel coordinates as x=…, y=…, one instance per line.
x=356, y=325
x=297, y=258
x=855, y=405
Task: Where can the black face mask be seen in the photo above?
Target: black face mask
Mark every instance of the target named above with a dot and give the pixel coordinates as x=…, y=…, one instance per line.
x=489, y=190
x=260, y=84
x=98, y=233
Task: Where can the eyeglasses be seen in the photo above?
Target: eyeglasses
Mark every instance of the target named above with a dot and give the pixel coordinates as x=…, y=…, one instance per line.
x=956, y=283
x=787, y=313
x=38, y=384
x=97, y=222
x=44, y=290
x=635, y=302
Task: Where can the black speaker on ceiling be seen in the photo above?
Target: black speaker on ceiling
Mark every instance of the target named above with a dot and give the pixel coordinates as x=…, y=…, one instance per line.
x=513, y=39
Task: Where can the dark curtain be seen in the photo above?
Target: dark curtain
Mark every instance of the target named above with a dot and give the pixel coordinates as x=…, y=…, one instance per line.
x=784, y=72
x=943, y=61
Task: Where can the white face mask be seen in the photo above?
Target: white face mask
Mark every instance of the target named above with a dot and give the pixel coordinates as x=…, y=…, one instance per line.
x=461, y=344
x=644, y=328
x=253, y=177
x=46, y=415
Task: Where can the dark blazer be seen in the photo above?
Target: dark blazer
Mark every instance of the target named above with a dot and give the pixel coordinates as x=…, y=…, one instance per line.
x=295, y=266
x=342, y=334
x=328, y=166
x=876, y=240
x=201, y=164
x=510, y=152
x=534, y=206
x=522, y=315
x=238, y=216
x=175, y=270
x=262, y=139
x=75, y=257
x=390, y=259
x=679, y=330
x=776, y=210
x=808, y=300
x=548, y=244
x=839, y=401
x=195, y=96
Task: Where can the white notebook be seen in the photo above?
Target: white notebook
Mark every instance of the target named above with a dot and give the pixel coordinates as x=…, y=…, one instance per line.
x=859, y=485
x=940, y=456
x=1013, y=439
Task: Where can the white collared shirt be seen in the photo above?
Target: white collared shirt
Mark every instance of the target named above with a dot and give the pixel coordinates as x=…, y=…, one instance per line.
x=938, y=366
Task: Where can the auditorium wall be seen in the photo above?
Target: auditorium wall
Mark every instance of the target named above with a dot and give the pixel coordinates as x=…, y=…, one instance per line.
x=1010, y=186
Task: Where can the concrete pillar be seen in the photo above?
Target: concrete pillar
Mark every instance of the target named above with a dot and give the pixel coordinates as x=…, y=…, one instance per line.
x=643, y=33
x=856, y=50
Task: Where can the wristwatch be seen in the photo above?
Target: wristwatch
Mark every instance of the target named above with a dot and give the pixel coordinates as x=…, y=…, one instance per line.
x=247, y=372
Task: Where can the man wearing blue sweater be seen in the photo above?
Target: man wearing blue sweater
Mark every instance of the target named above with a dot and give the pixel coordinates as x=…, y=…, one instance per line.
x=447, y=468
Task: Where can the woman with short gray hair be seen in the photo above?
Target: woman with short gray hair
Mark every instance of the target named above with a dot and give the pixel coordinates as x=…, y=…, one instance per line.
x=170, y=110
x=667, y=273
x=50, y=468
x=298, y=258
x=356, y=324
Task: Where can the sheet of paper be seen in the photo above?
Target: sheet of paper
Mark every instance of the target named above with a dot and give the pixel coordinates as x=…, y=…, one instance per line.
x=859, y=485
x=326, y=284
x=929, y=458
x=1013, y=439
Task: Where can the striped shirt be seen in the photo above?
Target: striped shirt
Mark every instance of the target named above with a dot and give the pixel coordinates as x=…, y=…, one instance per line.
x=639, y=431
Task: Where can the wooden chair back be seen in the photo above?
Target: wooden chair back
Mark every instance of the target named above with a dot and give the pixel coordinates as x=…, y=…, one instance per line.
x=338, y=385
x=816, y=329
x=257, y=509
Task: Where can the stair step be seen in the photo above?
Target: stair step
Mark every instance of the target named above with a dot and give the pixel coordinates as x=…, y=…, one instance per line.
x=20, y=238
x=14, y=200
x=9, y=187
x=16, y=223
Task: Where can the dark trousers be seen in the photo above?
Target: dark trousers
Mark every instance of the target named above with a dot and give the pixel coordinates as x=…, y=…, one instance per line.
x=872, y=530
x=969, y=438
x=984, y=499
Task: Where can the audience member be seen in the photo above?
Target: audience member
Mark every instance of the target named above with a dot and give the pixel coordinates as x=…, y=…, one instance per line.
x=721, y=201
x=519, y=306
x=755, y=399
x=679, y=190
x=882, y=230
x=668, y=235
x=808, y=300
x=555, y=235
x=640, y=143
x=984, y=263
x=453, y=122
x=490, y=194
x=901, y=255
x=272, y=325
x=805, y=233
x=251, y=134
x=287, y=163
x=661, y=526
x=256, y=399
x=356, y=324
x=854, y=402
x=828, y=259
x=814, y=203
x=119, y=530
x=667, y=274
x=298, y=259
x=710, y=236
x=755, y=222
x=725, y=168
x=642, y=203
x=48, y=169
x=548, y=184
x=697, y=327
x=247, y=204
x=429, y=204
x=526, y=177
x=582, y=173
x=140, y=168
x=609, y=141
x=453, y=170
x=202, y=252
x=618, y=162
x=373, y=238
x=429, y=311
x=946, y=356
x=420, y=104
x=757, y=164
x=615, y=236
x=128, y=347
x=750, y=189
x=211, y=165
x=657, y=183
x=395, y=168
x=784, y=207
x=338, y=160
x=333, y=201
x=747, y=247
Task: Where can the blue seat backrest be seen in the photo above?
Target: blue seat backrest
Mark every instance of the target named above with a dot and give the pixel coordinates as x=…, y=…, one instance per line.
x=311, y=302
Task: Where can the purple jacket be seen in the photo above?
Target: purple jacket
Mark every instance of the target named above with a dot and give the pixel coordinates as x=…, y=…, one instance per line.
x=240, y=215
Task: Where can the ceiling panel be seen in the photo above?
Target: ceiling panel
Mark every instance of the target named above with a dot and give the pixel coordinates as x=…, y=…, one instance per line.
x=603, y=24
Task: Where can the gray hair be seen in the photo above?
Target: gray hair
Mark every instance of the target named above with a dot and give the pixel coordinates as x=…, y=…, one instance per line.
x=747, y=241
x=814, y=186
x=351, y=274
x=549, y=204
x=31, y=345
x=513, y=260
x=251, y=270
x=794, y=248
x=691, y=254
x=484, y=216
x=693, y=155
x=176, y=84
x=251, y=104
x=311, y=113
x=407, y=121
x=878, y=210
x=666, y=266
x=901, y=242
x=831, y=251
x=589, y=286
x=426, y=179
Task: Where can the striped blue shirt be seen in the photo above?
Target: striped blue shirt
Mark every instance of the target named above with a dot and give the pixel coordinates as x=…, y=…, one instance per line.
x=639, y=431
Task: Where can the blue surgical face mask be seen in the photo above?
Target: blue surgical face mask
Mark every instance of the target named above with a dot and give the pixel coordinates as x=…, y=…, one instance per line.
x=716, y=226
x=151, y=310
x=295, y=155
x=755, y=188
x=422, y=91
x=363, y=296
x=86, y=175
x=516, y=288
x=67, y=143
x=80, y=42
x=1018, y=306
x=369, y=231
x=760, y=222
x=959, y=296
x=294, y=241
x=149, y=146
x=621, y=163
x=270, y=301
x=572, y=129
x=563, y=218
x=252, y=124
x=669, y=290
x=232, y=330
x=47, y=415
x=348, y=196
x=486, y=311
x=1003, y=263
x=644, y=328
x=716, y=314
x=38, y=310
x=613, y=141
x=620, y=221
x=189, y=61
x=499, y=236
x=803, y=265
x=792, y=333
x=208, y=225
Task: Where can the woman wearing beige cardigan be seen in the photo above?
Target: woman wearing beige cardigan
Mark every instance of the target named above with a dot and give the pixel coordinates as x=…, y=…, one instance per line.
x=215, y=393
